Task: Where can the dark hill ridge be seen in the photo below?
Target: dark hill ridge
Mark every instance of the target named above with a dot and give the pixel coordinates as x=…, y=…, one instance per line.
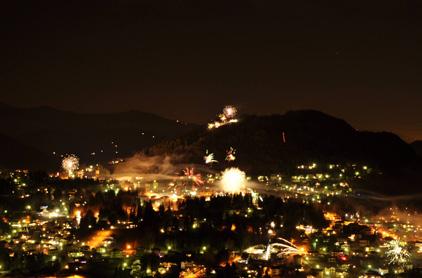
x=52, y=130
x=16, y=155
x=34, y=133
x=417, y=147
x=310, y=136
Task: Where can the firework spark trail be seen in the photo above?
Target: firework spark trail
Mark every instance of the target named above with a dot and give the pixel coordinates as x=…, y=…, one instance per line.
x=280, y=249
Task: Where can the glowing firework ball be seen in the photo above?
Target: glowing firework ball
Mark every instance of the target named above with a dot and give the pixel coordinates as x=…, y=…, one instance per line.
x=229, y=112
x=233, y=180
x=397, y=253
x=70, y=164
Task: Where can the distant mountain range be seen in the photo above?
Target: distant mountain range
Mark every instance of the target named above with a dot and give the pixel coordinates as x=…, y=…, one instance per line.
x=49, y=133
x=16, y=155
x=36, y=137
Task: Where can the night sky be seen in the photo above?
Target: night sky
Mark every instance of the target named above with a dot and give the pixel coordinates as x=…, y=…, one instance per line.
x=359, y=60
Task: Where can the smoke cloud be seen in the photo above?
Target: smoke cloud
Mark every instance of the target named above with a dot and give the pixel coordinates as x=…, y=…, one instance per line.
x=153, y=167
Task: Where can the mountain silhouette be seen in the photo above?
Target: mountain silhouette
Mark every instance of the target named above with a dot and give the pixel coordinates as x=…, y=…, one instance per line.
x=36, y=138
x=16, y=155
x=278, y=143
x=93, y=137
x=417, y=147
x=308, y=136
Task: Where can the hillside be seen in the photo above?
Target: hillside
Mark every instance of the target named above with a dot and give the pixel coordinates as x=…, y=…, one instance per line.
x=16, y=155
x=417, y=147
x=309, y=136
x=94, y=137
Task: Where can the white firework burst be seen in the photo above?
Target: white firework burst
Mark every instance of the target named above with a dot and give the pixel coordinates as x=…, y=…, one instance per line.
x=209, y=158
x=70, y=164
x=281, y=248
x=397, y=252
x=233, y=180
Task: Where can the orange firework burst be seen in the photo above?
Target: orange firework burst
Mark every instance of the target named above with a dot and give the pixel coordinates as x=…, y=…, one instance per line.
x=196, y=178
x=231, y=154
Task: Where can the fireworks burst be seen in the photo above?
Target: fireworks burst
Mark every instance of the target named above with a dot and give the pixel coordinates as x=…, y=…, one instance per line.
x=196, y=178
x=231, y=154
x=233, y=180
x=70, y=164
x=209, y=158
x=227, y=117
x=229, y=112
x=397, y=252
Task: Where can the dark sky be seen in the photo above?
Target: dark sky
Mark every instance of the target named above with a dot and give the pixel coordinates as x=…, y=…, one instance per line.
x=360, y=60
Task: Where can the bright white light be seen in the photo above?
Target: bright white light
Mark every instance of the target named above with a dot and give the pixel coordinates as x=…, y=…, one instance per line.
x=78, y=216
x=233, y=180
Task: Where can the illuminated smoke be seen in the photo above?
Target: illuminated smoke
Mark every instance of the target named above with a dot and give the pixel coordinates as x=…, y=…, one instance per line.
x=233, y=180
x=147, y=168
